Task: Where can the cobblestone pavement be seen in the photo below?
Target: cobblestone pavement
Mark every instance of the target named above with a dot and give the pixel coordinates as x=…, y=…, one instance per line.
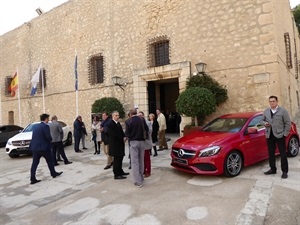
x=87, y=194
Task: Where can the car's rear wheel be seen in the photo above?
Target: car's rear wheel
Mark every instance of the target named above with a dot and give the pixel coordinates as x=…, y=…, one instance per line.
x=14, y=155
x=69, y=139
x=233, y=164
x=293, y=147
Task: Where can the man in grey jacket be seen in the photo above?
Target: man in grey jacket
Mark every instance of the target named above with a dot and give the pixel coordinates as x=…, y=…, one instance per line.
x=57, y=135
x=278, y=124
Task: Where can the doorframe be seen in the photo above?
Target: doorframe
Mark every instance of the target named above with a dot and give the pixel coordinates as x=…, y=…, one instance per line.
x=181, y=70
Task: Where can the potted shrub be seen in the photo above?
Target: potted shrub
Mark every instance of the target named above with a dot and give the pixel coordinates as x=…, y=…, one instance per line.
x=196, y=102
x=211, y=84
x=108, y=104
x=201, y=107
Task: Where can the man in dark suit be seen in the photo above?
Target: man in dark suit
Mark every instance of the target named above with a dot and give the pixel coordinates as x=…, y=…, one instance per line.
x=78, y=130
x=104, y=136
x=40, y=146
x=278, y=124
x=116, y=142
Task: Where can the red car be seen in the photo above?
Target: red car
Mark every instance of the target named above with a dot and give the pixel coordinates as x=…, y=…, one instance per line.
x=226, y=145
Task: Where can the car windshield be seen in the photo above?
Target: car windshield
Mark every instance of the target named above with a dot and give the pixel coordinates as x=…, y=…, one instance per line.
x=30, y=127
x=231, y=125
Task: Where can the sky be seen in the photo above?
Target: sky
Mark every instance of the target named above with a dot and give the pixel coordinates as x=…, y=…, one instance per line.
x=14, y=13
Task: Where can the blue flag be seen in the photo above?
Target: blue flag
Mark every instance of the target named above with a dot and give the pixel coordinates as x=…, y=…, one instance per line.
x=76, y=75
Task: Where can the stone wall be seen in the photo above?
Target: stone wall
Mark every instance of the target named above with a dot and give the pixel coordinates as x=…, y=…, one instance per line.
x=239, y=41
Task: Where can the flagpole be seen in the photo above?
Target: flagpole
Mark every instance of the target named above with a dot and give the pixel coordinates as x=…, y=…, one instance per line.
x=19, y=102
x=76, y=103
x=76, y=82
x=42, y=72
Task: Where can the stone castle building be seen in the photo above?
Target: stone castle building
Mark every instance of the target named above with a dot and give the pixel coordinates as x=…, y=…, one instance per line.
x=250, y=47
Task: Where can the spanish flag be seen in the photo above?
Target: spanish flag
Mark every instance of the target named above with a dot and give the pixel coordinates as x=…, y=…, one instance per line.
x=14, y=84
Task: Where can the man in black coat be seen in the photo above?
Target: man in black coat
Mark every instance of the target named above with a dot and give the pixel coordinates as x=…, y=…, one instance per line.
x=116, y=142
x=78, y=127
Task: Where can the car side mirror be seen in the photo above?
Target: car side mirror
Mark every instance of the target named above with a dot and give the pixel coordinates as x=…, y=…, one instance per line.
x=252, y=130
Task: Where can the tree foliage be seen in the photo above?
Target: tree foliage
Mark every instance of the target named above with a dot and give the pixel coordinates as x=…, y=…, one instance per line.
x=108, y=104
x=296, y=12
x=208, y=82
x=196, y=102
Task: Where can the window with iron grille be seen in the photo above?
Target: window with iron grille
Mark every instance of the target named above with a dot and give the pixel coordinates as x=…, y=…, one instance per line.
x=298, y=100
x=288, y=51
x=96, y=69
x=161, y=53
x=158, y=51
x=42, y=81
x=7, y=83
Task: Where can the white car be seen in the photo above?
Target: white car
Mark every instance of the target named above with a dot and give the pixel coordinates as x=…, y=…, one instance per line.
x=19, y=144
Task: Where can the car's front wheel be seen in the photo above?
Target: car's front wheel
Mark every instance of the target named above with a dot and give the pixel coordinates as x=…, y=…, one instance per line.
x=233, y=164
x=293, y=147
x=14, y=155
x=69, y=139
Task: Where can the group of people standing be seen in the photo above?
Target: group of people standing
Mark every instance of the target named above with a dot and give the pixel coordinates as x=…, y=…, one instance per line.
x=141, y=134
x=142, y=137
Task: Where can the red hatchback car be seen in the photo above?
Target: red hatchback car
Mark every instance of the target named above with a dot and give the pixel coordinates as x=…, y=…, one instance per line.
x=226, y=145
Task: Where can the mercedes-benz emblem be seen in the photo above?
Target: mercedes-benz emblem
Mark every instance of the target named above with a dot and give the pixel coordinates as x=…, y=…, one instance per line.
x=181, y=152
x=22, y=143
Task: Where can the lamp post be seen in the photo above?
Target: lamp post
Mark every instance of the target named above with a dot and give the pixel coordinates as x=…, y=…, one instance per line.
x=201, y=67
x=118, y=82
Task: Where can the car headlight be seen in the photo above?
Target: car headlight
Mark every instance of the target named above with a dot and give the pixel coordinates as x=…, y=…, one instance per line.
x=210, y=151
x=9, y=142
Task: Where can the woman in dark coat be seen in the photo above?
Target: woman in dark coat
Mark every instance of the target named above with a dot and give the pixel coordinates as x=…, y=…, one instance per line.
x=116, y=143
x=155, y=128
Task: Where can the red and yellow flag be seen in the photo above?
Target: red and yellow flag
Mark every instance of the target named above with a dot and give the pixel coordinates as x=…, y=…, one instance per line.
x=14, y=84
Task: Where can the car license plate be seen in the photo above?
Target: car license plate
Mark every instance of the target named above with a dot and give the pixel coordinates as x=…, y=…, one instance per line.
x=181, y=161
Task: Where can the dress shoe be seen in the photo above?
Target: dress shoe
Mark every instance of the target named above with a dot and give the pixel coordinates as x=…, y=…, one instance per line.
x=59, y=160
x=84, y=148
x=284, y=175
x=147, y=175
x=138, y=185
x=66, y=163
x=34, y=181
x=125, y=174
x=120, y=177
x=57, y=174
x=107, y=167
x=56, y=164
x=270, y=172
x=79, y=151
x=154, y=155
